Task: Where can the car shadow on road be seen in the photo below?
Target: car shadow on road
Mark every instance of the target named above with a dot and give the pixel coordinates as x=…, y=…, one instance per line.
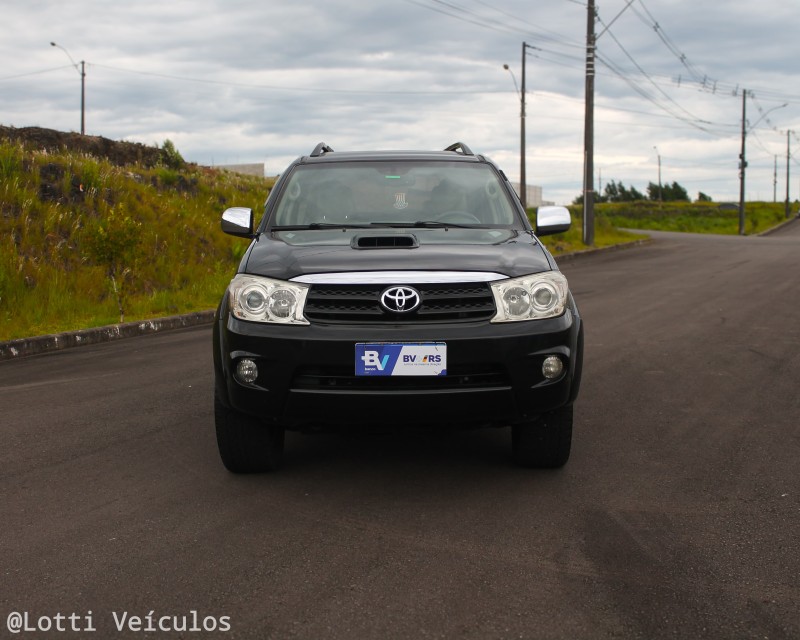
x=418, y=448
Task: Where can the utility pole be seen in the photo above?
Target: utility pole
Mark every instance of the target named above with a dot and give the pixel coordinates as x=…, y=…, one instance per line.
x=742, y=163
x=660, y=191
x=588, y=141
x=588, y=131
x=775, y=181
x=788, y=157
x=82, y=72
x=83, y=97
x=523, y=182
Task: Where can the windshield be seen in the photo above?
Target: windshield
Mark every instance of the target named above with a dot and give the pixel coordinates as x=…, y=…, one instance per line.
x=403, y=193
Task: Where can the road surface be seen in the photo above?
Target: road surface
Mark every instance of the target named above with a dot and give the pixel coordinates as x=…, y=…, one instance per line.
x=678, y=515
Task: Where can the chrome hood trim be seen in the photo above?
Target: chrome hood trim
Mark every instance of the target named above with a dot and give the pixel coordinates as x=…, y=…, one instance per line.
x=399, y=277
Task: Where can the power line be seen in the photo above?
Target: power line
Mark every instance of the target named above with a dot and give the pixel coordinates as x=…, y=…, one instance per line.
x=487, y=22
x=560, y=37
x=665, y=102
x=689, y=119
x=455, y=11
x=36, y=73
x=695, y=73
x=272, y=87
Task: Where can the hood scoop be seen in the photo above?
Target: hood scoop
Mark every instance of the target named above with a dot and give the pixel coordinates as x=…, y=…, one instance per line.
x=393, y=241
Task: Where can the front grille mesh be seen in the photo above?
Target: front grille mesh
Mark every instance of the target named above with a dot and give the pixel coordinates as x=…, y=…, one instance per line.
x=461, y=302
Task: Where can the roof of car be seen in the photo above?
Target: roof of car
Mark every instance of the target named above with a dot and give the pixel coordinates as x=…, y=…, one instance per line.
x=456, y=152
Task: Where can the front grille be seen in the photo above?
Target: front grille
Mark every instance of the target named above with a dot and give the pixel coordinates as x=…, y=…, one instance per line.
x=457, y=378
x=461, y=302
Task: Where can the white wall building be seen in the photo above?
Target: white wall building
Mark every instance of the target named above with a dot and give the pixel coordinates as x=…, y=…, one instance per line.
x=533, y=193
x=254, y=169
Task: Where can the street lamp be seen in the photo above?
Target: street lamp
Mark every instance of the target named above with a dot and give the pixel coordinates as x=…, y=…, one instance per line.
x=82, y=72
x=523, y=182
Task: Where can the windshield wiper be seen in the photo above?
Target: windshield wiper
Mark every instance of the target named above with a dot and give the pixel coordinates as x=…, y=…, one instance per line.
x=419, y=224
x=424, y=224
x=319, y=225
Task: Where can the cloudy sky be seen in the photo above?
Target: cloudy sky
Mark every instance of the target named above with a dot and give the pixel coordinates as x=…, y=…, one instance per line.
x=240, y=82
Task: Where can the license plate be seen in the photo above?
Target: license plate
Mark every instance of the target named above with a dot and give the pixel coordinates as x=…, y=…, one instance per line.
x=401, y=359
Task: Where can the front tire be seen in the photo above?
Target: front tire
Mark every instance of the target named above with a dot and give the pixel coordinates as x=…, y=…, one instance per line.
x=544, y=443
x=247, y=444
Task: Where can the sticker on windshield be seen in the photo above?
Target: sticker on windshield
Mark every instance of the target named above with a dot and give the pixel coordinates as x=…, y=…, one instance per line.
x=400, y=201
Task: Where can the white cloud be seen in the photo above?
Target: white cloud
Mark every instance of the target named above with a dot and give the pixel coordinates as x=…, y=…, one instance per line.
x=250, y=82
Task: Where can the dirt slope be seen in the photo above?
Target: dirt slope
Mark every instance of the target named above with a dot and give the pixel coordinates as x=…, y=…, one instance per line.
x=120, y=153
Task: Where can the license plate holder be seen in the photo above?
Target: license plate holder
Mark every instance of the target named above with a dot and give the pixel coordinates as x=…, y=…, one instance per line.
x=401, y=359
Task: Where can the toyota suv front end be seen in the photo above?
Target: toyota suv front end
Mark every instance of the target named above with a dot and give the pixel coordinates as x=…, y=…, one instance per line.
x=395, y=288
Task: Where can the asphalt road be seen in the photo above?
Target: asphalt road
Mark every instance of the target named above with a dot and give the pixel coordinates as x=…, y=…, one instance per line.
x=678, y=515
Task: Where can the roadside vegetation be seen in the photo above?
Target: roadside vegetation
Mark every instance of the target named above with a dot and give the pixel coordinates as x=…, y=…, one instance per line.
x=668, y=207
x=85, y=242
x=692, y=217
x=571, y=241
x=110, y=232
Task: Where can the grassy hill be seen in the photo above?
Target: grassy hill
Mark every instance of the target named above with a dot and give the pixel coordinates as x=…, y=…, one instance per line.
x=93, y=230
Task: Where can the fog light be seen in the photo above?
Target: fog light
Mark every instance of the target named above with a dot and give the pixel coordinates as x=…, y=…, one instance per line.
x=246, y=371
x=552, y=367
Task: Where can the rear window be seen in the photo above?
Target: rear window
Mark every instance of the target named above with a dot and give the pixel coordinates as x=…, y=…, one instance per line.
x=404, y=191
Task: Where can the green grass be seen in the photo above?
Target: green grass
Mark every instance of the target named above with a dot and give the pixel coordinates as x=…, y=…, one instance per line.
x=696, y=217
x=160, y=233
x=605, y=235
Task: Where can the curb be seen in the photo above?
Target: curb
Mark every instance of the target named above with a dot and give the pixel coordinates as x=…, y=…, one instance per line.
x=24, y=347
x=778, y=227
x=600, y=250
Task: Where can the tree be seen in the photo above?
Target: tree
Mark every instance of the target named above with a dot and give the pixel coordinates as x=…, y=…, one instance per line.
x=655, y=192
x=667, y=192
x=172, y=157
x=675, y=193
x=612, y=191
x=634, y=194
x=702, y=197
x=618, y=192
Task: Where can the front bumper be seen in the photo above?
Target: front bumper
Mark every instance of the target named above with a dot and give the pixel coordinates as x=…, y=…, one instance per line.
x=307, y=373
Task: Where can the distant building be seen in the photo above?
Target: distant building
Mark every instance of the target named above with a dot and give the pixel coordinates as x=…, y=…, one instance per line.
x=533, y=193
x=255, y=169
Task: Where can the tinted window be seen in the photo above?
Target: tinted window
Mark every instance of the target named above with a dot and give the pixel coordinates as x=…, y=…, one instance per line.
x=365, y=192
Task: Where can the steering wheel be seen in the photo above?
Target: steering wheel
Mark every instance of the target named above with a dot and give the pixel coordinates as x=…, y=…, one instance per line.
x=456, y=217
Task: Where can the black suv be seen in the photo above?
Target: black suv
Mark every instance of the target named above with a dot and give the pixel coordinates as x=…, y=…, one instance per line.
x=393, y=289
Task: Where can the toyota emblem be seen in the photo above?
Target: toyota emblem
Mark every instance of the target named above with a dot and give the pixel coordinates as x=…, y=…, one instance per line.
x=400, y=299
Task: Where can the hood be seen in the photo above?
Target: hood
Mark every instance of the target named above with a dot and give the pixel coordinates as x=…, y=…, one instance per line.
x=287, y=254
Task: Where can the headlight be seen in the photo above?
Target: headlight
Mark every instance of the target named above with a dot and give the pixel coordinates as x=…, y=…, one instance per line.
x=541, y=295
x=260, y=299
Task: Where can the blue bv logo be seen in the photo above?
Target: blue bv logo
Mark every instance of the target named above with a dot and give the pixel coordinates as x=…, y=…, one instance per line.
x=372, y=359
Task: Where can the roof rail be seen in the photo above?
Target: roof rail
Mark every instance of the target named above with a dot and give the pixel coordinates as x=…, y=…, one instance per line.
x=460, y=145
x=320, y=149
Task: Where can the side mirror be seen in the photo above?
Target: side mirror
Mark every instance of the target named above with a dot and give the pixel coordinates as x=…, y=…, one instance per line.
x=551, y=220
x=238, y=221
